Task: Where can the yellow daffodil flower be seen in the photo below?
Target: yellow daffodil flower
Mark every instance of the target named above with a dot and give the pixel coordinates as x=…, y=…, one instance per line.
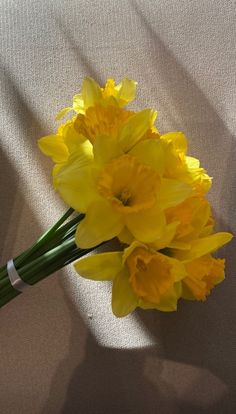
x=92, y=94
x=97, y=121
x=201, y=246
x=64, y=143
x=141, y=278
x=116, y=190
x=179, y=165
x=203, y=274
x=203, y=270
x=118, y=181
x=142, y=187
x=193, y=215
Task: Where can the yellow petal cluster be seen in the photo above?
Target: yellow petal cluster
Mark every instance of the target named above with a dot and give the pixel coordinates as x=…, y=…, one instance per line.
x=135, y=184
x=92, y=94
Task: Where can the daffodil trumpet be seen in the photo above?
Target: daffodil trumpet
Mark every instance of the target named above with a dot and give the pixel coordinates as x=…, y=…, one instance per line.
x=126, y=180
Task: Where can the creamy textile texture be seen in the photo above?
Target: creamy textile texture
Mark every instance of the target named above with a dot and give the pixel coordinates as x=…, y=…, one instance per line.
x=62, y=350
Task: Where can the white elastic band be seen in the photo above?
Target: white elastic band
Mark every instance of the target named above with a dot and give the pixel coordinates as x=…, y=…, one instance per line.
x=16, y=281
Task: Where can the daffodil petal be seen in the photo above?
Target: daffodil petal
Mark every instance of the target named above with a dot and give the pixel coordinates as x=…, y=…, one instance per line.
x=178, y=140
x=105, y=149
x=54, y=147
x=135, y=127
x=176, y=244
x=125, y=236
x=178, y=269
x=83, y=154
x=172, y=192
x=207, y=230
x=167, y=236
x=91, y=92
x=127, y=252
x=63, y=112
x=192, y=162
x=186, y=293
x=126, y=90
x=100, y=224
x=168, y=302
x=201, y=217
x=75, y=185
x=204, y=246
x=55, y=171
x=124, y=300
x=78, y=104
x=203, y=274
x=74, y=181
x=73, y=139
x=102, y=266
x=150, y=152
x=147, y=226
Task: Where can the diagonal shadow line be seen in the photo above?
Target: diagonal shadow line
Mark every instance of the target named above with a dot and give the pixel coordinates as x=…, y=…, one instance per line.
x=8, y=183
x=80, y=56
x=194, y=325
x=13, y=203
x=191, y=100
x=188, y=97
x=8, y=193
x=215, y=129
x=28, y=121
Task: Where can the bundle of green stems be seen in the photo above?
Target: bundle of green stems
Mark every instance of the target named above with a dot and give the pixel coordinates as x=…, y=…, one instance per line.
x=55, y=249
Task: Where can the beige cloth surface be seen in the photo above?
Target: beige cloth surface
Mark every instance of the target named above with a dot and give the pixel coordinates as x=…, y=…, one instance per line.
x=61, y=349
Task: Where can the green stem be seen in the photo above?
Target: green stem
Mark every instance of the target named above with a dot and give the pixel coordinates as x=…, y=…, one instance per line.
x=7, y=298
x=59, y=264
x=47, y=241
x=55, y=249
x=45, y=259
x=60, y=236
x=43, y=239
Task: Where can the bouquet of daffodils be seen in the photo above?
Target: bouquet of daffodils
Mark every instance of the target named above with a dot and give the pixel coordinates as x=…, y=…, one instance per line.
x=122, y=179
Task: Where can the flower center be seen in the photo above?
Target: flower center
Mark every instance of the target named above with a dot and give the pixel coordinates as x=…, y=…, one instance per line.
x=125, y=197
x=128, y=185
x=150, y=274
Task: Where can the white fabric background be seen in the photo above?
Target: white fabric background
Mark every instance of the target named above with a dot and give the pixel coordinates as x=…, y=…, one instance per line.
x=61, y=349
